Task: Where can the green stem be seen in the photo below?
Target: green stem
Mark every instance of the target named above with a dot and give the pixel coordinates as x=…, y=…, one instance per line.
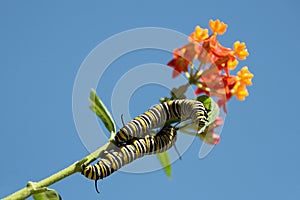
x=36, y=187
x=32, y=188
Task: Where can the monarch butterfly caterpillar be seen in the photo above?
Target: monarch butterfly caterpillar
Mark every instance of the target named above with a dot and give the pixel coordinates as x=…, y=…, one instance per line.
x=115, y=158
x=158, y=115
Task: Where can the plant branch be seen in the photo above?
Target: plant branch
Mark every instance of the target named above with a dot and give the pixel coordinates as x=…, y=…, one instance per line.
x=35, y=187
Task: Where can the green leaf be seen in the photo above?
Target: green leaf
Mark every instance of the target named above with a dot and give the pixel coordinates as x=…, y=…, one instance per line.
x=48, y=194
x=206, y=100
x=101, y=111
x=164, y=160
x=214, y=111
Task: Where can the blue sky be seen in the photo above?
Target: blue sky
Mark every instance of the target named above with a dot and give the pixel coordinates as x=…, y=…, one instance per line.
x=42, y=45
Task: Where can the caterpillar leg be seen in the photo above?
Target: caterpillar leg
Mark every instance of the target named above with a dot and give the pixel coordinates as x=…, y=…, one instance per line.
x=122, y=119
x=180, y=158
x=96, y=187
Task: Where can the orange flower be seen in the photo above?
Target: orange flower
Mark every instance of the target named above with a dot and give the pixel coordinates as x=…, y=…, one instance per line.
x=204, y=53
x=179, y=64
x=188, y=51
x=199, y=34
x=221, y=63
x=240, y=91
x=245, y=76
x=217, y=49
x=228, y=83
x=231, y=64
x=240, y=50
x=211, y=51
x=213, y=76
x=217, y=27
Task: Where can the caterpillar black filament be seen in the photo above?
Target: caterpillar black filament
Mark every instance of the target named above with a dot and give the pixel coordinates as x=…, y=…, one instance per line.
x=158, y=115
x=115, y=158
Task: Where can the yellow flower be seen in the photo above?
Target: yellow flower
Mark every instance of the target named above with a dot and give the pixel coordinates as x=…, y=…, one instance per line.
x=232, y=64
x=217, y=26
x=240, y=50
x=245, y=76
x=199, y=35
x=240, y=91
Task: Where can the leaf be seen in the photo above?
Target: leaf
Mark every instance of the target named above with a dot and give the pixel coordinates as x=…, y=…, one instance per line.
x=164, y=160
x=214, y=111
x=101, y=111
x=206, y=100
x=48, y=194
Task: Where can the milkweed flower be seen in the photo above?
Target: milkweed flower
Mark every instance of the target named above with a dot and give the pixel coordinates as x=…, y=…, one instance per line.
x=245, y=76
x=231, y=64
x=240, y=91
x=240, y=50
x=187, y=51
x=213, y=75
x=229, y=83
x=179, y=64
x=199, y=34
x=217, y=26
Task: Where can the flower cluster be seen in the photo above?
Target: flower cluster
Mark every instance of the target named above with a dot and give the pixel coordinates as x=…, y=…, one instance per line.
x=212, y=76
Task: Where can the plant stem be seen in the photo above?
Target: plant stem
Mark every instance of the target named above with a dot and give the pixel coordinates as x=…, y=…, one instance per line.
x=36, y=187
x=32, y=188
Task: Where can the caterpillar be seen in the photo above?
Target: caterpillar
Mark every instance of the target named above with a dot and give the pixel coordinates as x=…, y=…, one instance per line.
x=117, y=157
x=158, y=115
